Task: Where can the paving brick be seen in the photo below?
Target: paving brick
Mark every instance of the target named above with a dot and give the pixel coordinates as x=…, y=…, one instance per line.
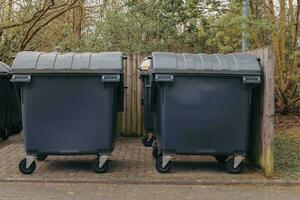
x=130, y=160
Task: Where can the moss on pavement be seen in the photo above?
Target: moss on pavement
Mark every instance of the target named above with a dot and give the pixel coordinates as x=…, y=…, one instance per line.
x=287, y=153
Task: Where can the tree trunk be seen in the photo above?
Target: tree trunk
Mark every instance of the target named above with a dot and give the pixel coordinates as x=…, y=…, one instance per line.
x=78, y=15
x=282, y=34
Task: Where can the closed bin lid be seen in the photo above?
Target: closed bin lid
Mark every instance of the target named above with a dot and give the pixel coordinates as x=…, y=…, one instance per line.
x=4, y=68
x=30, y=62
x=167, y=62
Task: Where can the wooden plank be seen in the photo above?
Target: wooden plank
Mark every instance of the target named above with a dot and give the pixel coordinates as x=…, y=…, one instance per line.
x=143, y=130
x=139, y=96
x=134, y=96
x=123, y=114
x=128, y=97
x=268, y=112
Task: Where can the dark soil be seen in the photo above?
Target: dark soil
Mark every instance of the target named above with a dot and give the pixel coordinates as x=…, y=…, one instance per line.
x=284, y=122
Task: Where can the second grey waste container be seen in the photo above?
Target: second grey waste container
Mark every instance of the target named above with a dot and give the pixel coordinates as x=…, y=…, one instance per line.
x=10, y=116
x=14, y=117
x=149, y=138
x=201, y=106
x=69, y=104
x=4, y=93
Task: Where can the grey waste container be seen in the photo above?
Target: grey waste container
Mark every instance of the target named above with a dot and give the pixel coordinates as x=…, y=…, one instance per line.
x=14, y=115
x=148, y=114
x=69, y=104
x=10, y=116
x=201, y=106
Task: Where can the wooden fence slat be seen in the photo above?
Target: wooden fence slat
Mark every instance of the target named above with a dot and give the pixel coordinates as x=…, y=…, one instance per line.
x=134, y=94
x=123, y=114
x=128, y=97
x=138, y=98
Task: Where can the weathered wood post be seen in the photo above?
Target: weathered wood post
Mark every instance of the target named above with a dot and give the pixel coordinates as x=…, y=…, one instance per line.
x=263, y=122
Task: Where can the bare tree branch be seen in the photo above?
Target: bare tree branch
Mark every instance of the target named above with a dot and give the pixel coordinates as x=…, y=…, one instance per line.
x=33, y=33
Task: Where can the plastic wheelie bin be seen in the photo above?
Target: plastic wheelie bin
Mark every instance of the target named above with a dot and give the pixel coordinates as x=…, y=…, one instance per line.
x=69, y=104
x=201, y=106
x=149, y=138
x=14, y=116
x=4, y=93
x=10, y=115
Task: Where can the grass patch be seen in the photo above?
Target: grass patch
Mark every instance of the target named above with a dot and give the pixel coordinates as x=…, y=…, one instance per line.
x=287, y=153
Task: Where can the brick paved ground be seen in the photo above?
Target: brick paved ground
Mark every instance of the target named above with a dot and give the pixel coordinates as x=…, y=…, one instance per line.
x=130, y=162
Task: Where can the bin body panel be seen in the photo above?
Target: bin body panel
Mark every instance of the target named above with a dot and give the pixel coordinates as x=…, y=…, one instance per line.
x=69, y=114
x=148, y=114
x=10, y=113
x=4, y=81
x=14, y=109
x=202, y=115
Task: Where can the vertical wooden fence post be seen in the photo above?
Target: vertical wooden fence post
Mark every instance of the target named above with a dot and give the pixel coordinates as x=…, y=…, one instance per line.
x=263, y=124
x=138, y=99
x=268, y=112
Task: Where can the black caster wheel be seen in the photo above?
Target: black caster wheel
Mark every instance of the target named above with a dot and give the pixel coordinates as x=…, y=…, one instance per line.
x=158, y=165
x=4, y=135
x=147, y=142
x=41, y=157
x=155, y=152
x=103, y=169
x=230, y=167
x=22, y=167
x=221, y=158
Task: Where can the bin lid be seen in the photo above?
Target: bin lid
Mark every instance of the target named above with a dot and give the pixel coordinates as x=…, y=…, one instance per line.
x=30, y=62
x=4, y=68
x=167, y=62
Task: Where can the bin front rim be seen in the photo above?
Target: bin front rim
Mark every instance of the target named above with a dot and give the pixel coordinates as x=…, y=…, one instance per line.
x=67, y=72
x=203, y=72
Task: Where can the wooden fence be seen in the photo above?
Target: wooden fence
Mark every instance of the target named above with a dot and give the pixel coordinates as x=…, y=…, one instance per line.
x=130, y=122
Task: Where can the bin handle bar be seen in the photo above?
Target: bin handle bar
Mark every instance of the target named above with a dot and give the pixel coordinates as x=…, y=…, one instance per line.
x=164, y=78
x=251, y=79
x=111, y=78
x=21, y=78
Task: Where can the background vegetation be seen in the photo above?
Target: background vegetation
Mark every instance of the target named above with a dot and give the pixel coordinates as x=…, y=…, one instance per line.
x=142, y=26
